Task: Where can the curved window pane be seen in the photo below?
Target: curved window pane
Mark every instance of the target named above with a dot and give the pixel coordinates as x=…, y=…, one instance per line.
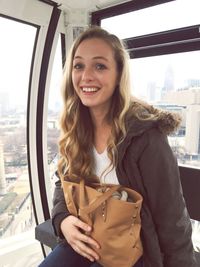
x=16, y=211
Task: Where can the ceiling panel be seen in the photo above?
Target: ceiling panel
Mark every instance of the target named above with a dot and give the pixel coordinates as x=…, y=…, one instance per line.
x=89, y=4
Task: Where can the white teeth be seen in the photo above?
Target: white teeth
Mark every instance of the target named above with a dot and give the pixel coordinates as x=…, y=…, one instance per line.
x=85, y=89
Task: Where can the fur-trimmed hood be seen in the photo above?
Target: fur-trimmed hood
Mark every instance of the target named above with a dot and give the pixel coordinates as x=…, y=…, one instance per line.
x=143, y=116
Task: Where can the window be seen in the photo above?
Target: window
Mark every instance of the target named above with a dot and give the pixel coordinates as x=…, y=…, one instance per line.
x=172, y=82
x=16, y=212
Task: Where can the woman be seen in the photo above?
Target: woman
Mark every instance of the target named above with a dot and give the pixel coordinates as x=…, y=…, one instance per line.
x=107, y=134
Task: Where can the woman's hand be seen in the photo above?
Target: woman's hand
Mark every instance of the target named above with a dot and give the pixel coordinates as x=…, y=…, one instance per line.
x=71, y=228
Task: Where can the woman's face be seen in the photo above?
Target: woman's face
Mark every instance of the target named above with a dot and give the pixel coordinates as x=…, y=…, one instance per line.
x=94, y=74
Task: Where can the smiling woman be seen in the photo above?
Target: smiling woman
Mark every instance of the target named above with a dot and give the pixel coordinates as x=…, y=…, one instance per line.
x=81, y=71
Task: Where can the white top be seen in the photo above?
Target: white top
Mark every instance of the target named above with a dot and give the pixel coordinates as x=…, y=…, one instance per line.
x=101, y=163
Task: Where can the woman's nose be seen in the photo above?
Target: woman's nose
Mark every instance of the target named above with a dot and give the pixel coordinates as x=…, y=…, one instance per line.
x=87, y=74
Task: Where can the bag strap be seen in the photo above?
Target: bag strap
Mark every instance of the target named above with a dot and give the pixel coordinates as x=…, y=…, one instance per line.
x=87, y=208
x=69, y=190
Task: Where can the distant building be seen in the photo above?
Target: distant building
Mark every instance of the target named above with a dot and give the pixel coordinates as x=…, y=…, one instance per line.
x=191, y=99
x=193, y=83
x=13, y=122
x=153, y=92
x=52, y=123
x=184, y=96
x=169, y=81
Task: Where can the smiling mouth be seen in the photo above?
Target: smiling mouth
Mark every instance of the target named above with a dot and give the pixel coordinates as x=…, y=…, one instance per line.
x=90, y=89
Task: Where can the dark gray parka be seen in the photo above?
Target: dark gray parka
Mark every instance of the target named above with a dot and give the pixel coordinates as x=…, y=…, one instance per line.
x=146, y=163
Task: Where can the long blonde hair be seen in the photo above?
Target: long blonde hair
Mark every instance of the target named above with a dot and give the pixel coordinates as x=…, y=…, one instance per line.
x=77, y=137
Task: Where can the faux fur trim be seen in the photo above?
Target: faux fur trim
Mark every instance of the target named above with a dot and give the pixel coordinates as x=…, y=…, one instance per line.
x=167, y=122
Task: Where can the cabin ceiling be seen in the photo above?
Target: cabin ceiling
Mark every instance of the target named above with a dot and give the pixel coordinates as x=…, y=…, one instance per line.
x=89, y=4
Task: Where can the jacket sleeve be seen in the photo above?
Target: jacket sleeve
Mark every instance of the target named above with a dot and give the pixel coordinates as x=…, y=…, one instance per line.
x=59, y=210
x=160, y=173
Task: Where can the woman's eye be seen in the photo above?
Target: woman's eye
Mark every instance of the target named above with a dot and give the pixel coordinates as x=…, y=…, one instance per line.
x=78, y=66
x=100, y=66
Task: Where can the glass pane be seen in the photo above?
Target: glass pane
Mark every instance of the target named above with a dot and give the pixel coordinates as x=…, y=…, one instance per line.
x=167, y=16
x=16, y=211
x=54, y=108
x=172, y=82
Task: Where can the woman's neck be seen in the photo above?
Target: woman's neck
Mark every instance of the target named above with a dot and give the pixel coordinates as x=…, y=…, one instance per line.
x=101, y=137
x=102, y=129
x=102, y=132
x=98, y=118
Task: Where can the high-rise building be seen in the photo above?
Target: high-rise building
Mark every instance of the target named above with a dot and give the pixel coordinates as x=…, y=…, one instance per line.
x=168, y=81
x=153, y=92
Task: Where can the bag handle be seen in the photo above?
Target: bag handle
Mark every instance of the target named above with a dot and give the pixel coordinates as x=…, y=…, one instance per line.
x=85, y=207
x=94, y=204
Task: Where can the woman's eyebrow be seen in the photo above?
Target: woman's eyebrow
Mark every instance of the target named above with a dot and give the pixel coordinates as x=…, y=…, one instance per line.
x=77, y=57
x=94, y=58
x=100, y=57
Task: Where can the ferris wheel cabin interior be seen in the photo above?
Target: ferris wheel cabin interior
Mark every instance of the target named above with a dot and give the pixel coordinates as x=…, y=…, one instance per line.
x=162, y=38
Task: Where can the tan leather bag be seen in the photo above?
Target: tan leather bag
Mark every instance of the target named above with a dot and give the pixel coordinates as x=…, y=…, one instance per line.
x=115, y=223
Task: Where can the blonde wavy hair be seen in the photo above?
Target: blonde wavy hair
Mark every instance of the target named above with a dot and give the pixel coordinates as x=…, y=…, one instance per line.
x=76, y=139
